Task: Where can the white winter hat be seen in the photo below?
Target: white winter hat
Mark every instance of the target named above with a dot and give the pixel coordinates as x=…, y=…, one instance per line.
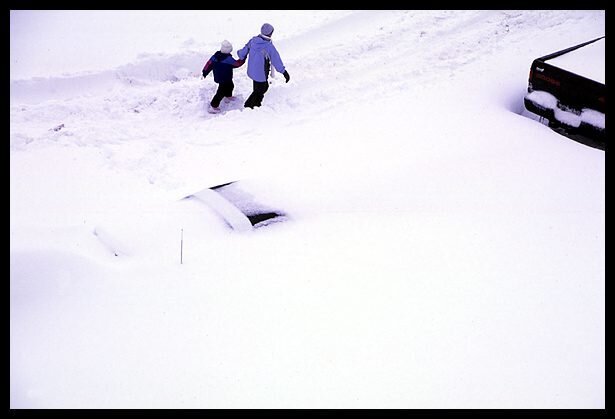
x=226, y=47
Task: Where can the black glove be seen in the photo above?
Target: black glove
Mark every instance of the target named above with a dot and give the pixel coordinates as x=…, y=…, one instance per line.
x=286, y=76
x=204, y=74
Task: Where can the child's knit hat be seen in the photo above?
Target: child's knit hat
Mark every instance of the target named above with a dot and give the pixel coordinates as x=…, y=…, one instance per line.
x=266, y=29
x=226, y=47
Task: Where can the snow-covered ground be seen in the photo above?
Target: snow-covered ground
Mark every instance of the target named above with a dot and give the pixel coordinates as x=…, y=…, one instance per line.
x=442, y=248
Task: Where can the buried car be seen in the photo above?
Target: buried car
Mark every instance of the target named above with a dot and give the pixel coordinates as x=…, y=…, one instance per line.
x=567, y=88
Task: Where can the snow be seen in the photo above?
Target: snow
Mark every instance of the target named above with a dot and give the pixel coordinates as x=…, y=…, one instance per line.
x=232, y=214
x=593, y=117
x=579, y=60
x=547, y=101
x=442, y=249
x=543, y=99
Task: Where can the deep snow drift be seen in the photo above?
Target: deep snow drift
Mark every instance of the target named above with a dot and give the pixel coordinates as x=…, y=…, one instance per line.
x=442, y=249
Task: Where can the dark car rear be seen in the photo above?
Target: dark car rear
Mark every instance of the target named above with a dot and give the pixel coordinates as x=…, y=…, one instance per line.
x=572, y=103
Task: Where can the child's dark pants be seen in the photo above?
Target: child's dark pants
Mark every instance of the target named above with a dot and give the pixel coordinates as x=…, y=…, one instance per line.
x=224, y=90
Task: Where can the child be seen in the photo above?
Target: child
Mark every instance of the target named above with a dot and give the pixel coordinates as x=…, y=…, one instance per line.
x=263, y=54
x=222, y=64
